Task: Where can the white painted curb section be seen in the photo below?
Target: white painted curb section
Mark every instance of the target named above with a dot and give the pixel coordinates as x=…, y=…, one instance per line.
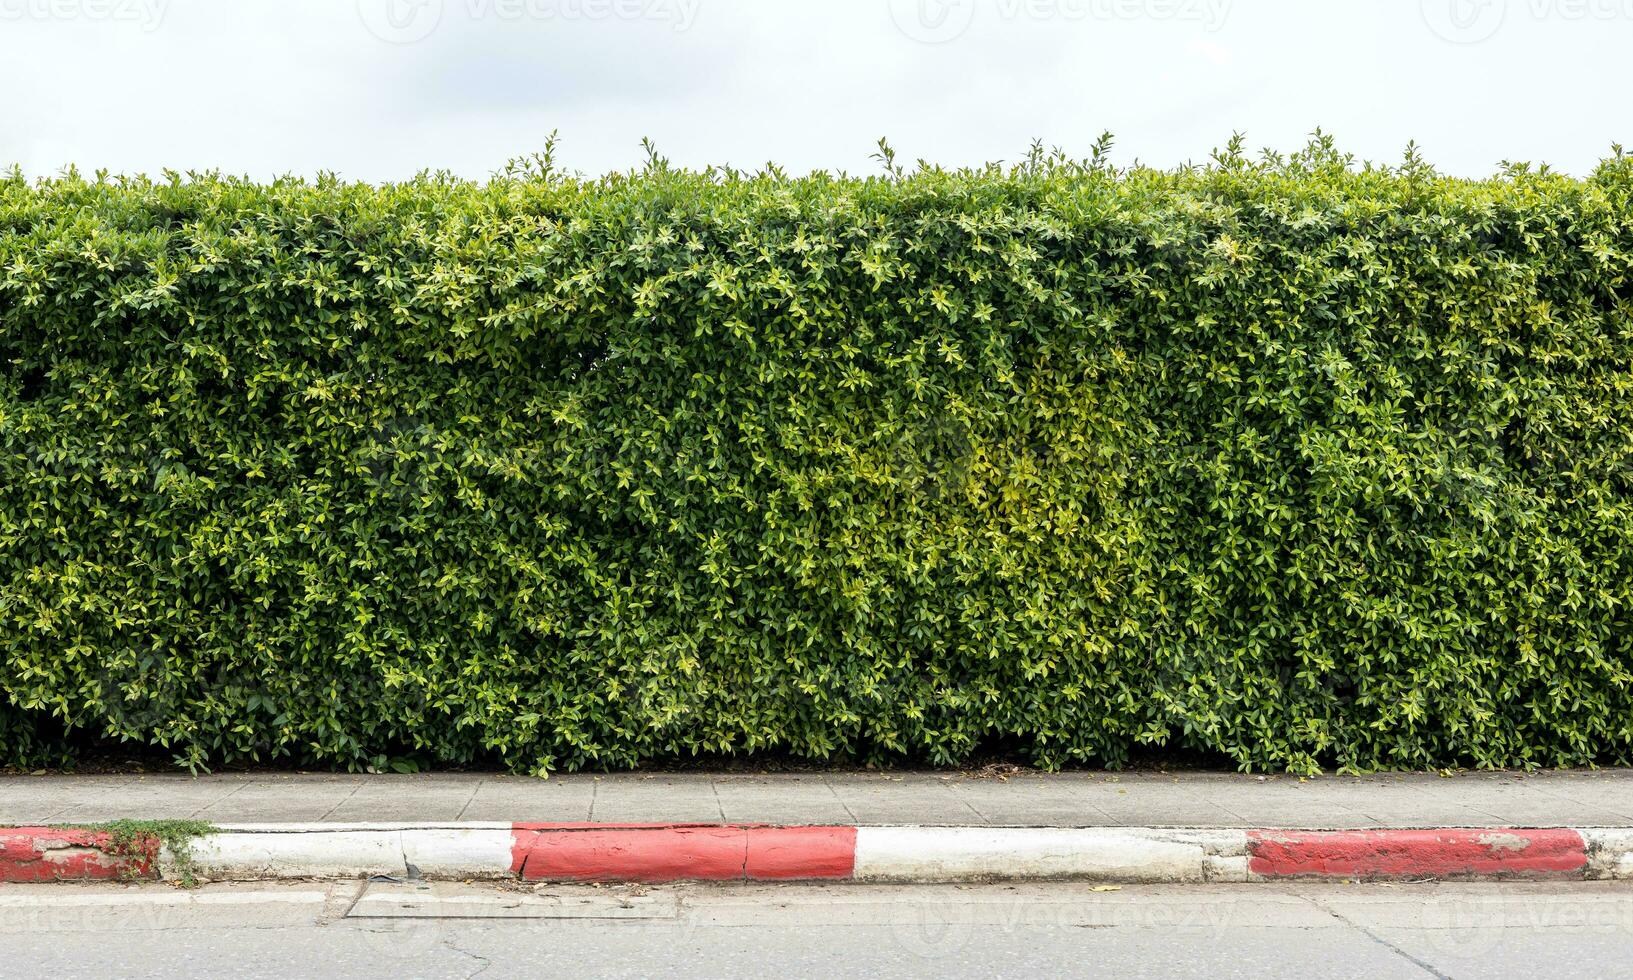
x=325, y=851
x=951, y=854
x=1610, y=854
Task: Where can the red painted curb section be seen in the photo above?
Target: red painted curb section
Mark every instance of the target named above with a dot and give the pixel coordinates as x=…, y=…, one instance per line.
x=577, y=852
x=44, y=854
x=1417, y=854
x=800, y=853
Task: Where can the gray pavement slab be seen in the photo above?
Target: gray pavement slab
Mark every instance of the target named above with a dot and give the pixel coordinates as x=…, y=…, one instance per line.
x=1079, y=799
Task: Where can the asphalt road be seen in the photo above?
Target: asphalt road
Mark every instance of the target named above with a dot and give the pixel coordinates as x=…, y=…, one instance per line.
x=409, y=930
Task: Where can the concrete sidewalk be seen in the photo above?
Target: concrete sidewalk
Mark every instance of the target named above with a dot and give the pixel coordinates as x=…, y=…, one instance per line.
x=1130, y=800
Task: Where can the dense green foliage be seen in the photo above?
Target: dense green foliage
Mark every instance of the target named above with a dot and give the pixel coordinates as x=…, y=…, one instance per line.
x=1296, y=461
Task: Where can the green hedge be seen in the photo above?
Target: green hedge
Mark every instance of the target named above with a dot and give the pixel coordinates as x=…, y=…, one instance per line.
x=1293, y=462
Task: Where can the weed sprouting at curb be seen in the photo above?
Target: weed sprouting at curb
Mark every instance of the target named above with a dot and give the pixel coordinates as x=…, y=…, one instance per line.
x=138, y=838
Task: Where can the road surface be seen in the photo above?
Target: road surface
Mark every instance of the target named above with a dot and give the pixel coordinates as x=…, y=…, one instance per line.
x=407, y=930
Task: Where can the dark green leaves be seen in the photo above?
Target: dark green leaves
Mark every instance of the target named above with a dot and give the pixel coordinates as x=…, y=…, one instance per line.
x=1288, y=462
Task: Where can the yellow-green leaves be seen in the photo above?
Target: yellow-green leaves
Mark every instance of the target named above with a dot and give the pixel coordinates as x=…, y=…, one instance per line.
x=1288, y=463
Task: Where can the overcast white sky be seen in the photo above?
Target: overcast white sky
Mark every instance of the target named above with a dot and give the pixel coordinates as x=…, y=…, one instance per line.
x=378, y=89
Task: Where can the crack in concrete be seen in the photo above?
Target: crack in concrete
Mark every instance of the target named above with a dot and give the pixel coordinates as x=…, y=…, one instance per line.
x=478, y=957
x=1423, y=965
x=720, y=808
x=59, y=852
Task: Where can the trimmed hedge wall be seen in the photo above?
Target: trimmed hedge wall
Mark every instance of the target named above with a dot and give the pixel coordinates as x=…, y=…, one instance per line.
x=1294, y=461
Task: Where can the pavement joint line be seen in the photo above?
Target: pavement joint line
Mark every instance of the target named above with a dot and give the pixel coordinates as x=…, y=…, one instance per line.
x=347, y=799
x=223, y=797
x=1106, y=817
x=51, y=817
x=979, y=815
x=471, y=799
x=840, y=800
x=1241, y=819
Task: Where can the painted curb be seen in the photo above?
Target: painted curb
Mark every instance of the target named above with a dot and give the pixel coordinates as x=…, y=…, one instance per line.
x=1408, y=854
x=658, y=853
x=695, y=853
x=33, y=855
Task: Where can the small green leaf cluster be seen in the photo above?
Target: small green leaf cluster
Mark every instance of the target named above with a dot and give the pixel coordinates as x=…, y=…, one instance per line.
x=170, y=842
x=1294, y=461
